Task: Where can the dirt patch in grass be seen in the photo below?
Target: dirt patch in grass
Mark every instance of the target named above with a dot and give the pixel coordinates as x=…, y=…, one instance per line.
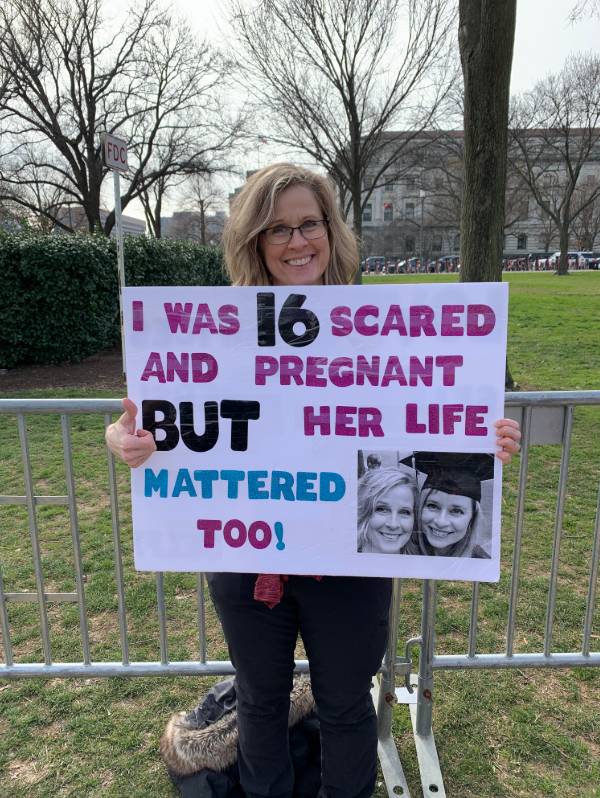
x=27, y=771
x=592, y=747
x=102, y=371
x=52, y=730
x=106, y=779
x=26, y=648
x=101, y=625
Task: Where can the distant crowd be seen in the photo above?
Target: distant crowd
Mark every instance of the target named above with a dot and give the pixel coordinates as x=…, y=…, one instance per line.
x=535, y=263
x=522, y=263
x=380, y=265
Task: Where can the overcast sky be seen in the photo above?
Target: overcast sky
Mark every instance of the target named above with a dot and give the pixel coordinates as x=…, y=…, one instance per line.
x=544, y=38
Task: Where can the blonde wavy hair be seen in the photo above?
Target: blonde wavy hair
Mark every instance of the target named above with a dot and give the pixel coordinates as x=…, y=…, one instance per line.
x=252, y=211
x=371, y=486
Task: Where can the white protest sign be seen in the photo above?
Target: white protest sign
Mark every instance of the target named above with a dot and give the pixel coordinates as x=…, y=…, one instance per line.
x=270, y=405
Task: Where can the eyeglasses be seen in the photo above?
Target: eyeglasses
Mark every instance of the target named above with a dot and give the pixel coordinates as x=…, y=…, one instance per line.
x=282, y=234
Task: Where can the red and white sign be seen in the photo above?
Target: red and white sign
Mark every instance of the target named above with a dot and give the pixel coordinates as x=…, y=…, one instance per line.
x=115, y=153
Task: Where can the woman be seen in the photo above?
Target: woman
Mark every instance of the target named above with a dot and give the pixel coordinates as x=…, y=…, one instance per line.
x=386, y=510
x=451, y=523
x=452, y=526
x=285, y=229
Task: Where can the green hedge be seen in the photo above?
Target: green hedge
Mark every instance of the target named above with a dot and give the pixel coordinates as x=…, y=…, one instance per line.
x=59, y=293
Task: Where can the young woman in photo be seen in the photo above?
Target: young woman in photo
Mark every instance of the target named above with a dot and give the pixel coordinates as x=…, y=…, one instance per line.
x=450, y=520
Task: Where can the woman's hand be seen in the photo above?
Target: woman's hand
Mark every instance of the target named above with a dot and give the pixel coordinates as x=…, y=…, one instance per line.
x=508, y=435
x=133, y=446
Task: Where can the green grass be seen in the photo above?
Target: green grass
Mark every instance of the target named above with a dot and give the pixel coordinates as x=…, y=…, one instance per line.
x=499, y=733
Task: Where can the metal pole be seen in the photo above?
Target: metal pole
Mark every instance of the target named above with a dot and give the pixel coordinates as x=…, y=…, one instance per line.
x=425, y=685
x=120, y=257
x=387, y=685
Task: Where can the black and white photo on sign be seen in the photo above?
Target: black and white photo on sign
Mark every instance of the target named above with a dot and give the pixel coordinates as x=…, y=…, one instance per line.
x=425, y=503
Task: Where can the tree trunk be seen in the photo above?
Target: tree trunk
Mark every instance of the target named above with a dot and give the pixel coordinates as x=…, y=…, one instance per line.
x=92, y=212
x=357, y=227
x=563, y=261
x=486, y=37
x=157, y=214
x=202, y=224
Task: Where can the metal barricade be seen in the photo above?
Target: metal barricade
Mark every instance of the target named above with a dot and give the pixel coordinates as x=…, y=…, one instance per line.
x=545, y=417
x=66, y=408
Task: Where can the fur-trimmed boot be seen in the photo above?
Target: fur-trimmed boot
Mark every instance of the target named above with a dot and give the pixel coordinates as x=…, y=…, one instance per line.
x=195, y=741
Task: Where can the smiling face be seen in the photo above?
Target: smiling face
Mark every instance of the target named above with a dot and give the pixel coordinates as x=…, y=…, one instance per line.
x=392, y=521
x=299, y=262
x=445, y=518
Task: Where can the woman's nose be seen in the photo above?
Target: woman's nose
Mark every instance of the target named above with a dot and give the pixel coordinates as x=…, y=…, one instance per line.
x=393, y=521
x=297, y=241
x=443, y=518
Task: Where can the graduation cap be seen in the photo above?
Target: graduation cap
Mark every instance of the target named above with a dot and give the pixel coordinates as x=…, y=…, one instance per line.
x=459, y=474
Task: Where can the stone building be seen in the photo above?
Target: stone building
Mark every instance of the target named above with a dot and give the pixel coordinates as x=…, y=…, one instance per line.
x=194, y=226
x=414, y=211
x=75, y=218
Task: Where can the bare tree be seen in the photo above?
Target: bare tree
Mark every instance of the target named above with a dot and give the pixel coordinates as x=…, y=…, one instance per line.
x=442, y=180
x=332, y=81
x=202, y=196
x=555, y=131
x=68, y=76
x=586, y=226
x=548, y=231
x=486, y=37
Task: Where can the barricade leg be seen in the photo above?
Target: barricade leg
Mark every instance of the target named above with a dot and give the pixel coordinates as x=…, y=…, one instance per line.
x=421, y=711
x=384, y=697
x=419, y=701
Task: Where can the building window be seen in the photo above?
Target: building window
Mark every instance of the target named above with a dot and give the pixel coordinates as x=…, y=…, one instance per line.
x=436, y=244
x=409, y=210
x=388, y=212
x=368, y=213
x=457, y=242
x=409, y=244
x=410, y=182
x=522, y=241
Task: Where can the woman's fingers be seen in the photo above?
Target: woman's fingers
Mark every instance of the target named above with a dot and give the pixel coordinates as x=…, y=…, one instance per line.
x=133, y=446
x=509, y=428
x=127, y=420
x=508, y=435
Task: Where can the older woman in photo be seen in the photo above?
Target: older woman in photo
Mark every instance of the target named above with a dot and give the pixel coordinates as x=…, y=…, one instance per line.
x=386, y=510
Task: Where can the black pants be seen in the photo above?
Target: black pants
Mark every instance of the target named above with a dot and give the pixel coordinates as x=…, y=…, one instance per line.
x=343, y=622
